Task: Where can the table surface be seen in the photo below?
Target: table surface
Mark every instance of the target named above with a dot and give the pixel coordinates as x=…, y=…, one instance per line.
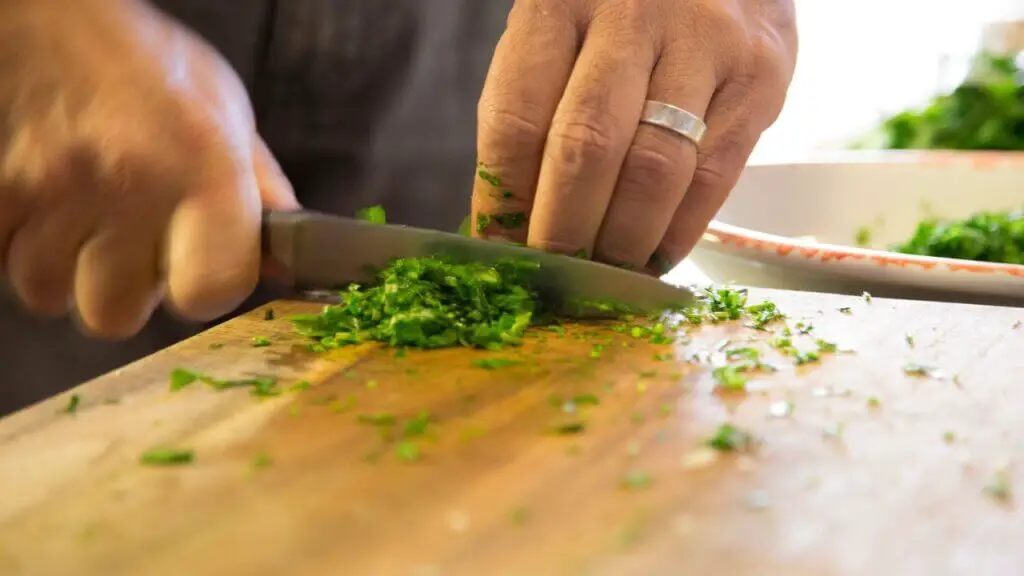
x=859, y=469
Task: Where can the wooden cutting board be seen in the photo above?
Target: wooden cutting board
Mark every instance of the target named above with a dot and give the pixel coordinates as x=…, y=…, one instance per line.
x=861, y=468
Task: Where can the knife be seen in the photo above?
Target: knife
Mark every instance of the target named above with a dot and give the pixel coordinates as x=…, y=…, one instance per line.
x=319, y=251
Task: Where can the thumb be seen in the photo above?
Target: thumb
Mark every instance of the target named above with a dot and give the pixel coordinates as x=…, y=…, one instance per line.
x=276, y=191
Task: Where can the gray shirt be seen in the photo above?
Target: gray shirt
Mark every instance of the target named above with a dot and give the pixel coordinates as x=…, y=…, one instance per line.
x=363, y=102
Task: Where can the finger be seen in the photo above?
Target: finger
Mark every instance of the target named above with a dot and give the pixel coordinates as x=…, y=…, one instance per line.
x=659, y=165
x=590, y=134
x=735, y=123
x=529, y=71
x=117, y=280
x=12, y=216
x=276, y=191
x=43, y=253
x=213, y=241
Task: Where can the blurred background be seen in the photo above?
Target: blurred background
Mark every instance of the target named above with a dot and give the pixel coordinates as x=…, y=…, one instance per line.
x=863, y=60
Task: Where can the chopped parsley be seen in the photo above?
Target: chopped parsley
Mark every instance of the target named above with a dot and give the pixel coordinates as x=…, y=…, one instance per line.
x=72, y=406
x=373, y=215
x=260, y=341
x=729, y=378
x=167, y=457
x=496, y=363
x=728, y=438
x=268, y=314
x=636, y=480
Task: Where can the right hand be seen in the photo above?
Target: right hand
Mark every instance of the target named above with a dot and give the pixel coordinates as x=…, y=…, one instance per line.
x=130, y=168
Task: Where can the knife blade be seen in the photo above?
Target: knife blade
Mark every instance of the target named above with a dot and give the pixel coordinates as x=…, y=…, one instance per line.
x=320, y=251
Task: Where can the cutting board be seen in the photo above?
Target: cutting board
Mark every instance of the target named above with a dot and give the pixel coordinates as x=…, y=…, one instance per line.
x=857, y=468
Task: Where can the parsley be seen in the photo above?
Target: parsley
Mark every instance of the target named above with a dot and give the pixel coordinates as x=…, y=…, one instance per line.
x=268, y=314
x=432, y=303
x=373, y=215
x=568, y=428
x=260, y=341
x=983, y=236
x=729, y=378
x=636, y=480
x=72, y=405
x=983, y=113
x=261, y=461
x=496, y=363
x=408, y=451
x=381, y=419
x=482, y=222
x=863, y=236
x=728, y=438
x=510, y=220
x=167, y=457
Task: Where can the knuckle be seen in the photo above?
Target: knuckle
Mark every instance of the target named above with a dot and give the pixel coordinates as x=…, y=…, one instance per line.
x=502, y=127
x=583, y=141
x=44, y=290
x=653, y=163
x=720, y=171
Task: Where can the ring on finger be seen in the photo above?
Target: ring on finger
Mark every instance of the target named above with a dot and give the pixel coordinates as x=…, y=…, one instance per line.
x=674, y=119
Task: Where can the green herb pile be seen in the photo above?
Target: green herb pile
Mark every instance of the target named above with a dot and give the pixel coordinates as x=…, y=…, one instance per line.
x=984, y=236
x=432, y=303
x=983, y=113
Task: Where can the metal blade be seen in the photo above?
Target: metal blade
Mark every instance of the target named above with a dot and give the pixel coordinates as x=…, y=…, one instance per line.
x=322, y=251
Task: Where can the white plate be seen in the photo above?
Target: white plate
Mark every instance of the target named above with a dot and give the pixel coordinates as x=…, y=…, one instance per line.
x=794, y=225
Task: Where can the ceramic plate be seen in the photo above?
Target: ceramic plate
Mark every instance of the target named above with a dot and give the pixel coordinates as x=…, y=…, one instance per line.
x=796, y=225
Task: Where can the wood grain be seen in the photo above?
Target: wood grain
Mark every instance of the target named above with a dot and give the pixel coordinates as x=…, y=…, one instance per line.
x=838, y=487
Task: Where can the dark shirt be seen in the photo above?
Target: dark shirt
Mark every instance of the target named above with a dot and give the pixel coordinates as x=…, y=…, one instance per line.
x=362, y=101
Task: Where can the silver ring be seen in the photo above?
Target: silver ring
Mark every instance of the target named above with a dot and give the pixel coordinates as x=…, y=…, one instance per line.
x=673, y=118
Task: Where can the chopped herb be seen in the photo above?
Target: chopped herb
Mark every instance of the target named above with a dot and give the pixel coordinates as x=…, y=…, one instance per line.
x=909, y=339
x=636, y=480
x=874, y=403
x=863, y=236
x=300, y=386
x=417, y=426
x=510, y=220
x=585, y=400
x=261, y=461
x=825, y=347
x=341, y=406
x=72, y=406
x=216, y=345
x=167, y=457
x=408, y=451
x=487, y=176
x=496, y=363
x=260, y=341
x=568, y=428
x=268, y=314
x=809, y=357
x=382, y=419
x=482, y=222
x=914, y=369
x=181, y=378
x=432, y=303
x=729, y=378
x=582, y=254
x=949, y=436
x=728, y=438
x=846, y=310
x=1000, y=487
x=373, y=215
x=519, y=516
x=867, y=297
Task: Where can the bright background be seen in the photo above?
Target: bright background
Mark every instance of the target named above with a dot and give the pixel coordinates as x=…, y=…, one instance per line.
x=862, y=58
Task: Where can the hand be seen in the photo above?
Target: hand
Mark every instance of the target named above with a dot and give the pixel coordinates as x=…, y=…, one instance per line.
x=560, y=137
x=130, y=169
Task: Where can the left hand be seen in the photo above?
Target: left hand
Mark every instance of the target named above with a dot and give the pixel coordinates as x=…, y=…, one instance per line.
x=567, y=164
